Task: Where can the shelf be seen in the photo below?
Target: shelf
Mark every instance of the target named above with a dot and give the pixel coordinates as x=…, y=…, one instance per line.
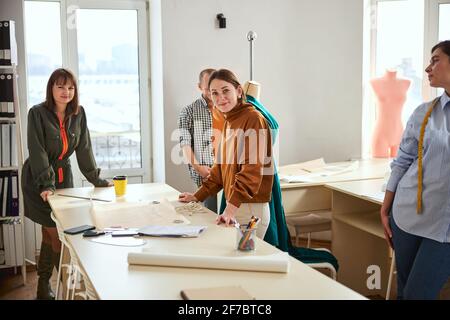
x=10, y=218
x=367, y=221
x=8, y=67
x=5, y=266
x=9, y=168
x=15, y=235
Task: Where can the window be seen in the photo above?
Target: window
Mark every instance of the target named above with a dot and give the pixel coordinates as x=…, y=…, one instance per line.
x=108, y=53
x=444, y=27
x=42, y=56
x=399, y=46
x=401, y=35
x=444, y=21
x=105, y=44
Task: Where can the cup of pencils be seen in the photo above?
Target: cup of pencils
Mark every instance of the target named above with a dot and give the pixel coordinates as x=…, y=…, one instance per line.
x=245, y=239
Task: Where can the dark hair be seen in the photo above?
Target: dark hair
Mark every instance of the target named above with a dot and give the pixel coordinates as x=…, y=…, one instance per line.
x=227, y=76
x=203, y=72
x=224, y=75
x=62, y=76
x=444, y=46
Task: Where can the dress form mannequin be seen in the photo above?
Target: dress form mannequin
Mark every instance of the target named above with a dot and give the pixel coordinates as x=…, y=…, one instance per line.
x=252, y=88
x=390, y=92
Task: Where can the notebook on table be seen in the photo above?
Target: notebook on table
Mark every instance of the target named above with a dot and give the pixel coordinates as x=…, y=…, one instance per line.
x=216, y=293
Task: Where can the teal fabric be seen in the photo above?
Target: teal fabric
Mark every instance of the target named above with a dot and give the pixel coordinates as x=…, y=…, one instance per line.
x=277, y=233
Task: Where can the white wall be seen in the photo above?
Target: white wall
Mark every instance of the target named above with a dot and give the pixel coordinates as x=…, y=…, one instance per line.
x=308, y=58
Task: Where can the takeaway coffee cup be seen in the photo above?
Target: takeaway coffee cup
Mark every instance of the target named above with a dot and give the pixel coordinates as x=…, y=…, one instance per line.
x=120, y=185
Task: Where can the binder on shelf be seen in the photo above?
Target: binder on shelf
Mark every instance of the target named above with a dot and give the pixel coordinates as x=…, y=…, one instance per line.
x=18, y=244
x=5, y=196
x=2, y=247
x=2, y=213
x=9, y=95
x=6, y=243
x=14, y=191
x=14, y=150
x=9, y=193
x=9, y=44
x=2, y=54
x=6, y=150
x=3, y=103
x=13, y=244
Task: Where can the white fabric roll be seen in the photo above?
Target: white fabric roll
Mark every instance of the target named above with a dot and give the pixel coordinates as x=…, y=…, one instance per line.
x=278, y=262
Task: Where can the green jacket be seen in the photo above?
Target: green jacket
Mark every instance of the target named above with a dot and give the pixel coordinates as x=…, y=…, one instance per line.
x=47, y=168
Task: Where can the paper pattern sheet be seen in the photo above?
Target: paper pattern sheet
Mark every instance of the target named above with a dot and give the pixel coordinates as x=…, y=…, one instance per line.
x=311, y=173
x=312, y=165
x=135, y=215
x=278, y=262
x=119, y=241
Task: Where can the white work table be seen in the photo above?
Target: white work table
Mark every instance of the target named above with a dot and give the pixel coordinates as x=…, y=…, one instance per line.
x=374, y=168
x=358, y=240
x=303, y=197
x=113, y=278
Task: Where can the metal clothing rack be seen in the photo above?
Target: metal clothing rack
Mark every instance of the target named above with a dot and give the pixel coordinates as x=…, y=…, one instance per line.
x=251, y=37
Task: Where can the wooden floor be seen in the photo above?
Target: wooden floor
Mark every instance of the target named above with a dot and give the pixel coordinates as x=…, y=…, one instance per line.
x=11, y=284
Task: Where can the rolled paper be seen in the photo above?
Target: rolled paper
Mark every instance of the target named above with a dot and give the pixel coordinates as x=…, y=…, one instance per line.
x=278, y=262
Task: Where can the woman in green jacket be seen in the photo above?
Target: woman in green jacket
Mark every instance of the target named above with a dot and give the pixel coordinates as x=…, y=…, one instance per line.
x=56, y=128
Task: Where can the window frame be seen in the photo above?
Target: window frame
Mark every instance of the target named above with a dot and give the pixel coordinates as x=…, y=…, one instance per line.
x=430, y=38
x=70, y=60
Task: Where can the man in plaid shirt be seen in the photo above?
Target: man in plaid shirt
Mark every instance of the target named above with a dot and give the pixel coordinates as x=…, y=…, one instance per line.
x=195, y=123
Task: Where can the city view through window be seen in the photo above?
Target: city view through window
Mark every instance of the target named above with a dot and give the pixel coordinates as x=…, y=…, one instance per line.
x=108, y=75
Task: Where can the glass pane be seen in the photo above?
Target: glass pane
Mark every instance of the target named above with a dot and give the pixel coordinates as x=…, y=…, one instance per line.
x=42, y=56
x=109, y=84
x=444, y=21
x=444, y=28
x=400, y=46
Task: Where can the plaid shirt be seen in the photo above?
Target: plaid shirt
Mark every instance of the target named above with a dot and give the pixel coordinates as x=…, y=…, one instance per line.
x=195, y=125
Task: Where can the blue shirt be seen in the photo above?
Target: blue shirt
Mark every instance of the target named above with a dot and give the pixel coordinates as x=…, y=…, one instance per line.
x=434, y=221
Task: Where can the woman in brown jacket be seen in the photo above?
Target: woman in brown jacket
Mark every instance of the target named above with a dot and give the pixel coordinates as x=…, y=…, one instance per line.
x=243, y=166
x=56, y=128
